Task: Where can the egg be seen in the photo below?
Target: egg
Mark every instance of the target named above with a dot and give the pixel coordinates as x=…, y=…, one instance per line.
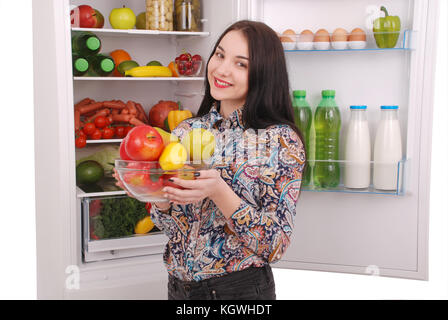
x=306, y=36
x=357, y=34
x=322, y=35
x=339, y=34
x=286, y=33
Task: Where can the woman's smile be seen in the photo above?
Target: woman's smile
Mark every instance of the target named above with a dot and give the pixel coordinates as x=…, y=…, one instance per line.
x=221, y=83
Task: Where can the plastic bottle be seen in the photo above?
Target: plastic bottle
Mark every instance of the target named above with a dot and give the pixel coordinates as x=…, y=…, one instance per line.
x=327, y=123
x=85, y=43
x=357, y=150
x=303, y=117
x=80, y=65
x=101, y=65
x=387, y=150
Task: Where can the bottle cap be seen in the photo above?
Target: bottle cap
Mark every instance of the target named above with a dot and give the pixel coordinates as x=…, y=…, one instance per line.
x=328, y=93
x=93, y=43
x=107, y=65
x=81, y=64
x=299, y=93
x=389, y=107
x=358, y=107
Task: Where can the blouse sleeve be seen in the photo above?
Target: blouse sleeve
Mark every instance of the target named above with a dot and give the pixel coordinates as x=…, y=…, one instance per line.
x=266, y=229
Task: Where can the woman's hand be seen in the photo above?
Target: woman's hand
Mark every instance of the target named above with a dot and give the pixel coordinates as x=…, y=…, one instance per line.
x=208, y=184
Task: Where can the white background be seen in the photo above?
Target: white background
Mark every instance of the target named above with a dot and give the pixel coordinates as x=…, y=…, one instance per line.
x=17, y=213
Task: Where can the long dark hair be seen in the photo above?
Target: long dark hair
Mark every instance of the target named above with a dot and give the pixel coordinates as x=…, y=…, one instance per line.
x=268, y=100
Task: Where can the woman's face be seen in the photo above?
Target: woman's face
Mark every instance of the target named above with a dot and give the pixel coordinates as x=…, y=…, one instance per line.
x=228, y=70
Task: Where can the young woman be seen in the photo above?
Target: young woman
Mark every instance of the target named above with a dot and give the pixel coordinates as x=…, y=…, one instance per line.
x=226, y=226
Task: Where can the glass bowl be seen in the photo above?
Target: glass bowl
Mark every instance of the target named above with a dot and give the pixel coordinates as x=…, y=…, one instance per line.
x=188, y=68
x=146, y=179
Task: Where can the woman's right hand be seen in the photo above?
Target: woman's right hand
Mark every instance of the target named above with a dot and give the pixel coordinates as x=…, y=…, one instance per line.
x=120, y=184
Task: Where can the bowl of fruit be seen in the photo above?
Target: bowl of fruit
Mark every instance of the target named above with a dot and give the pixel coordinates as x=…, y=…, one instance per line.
x=146, y=179
x=148, y=159
x=188, y=65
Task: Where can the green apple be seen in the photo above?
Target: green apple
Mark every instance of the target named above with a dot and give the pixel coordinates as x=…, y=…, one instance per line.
x=122, y=18
x=141, y=21
x=99, y=19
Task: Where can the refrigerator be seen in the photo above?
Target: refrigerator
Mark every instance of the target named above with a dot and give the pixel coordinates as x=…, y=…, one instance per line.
x=344, y=230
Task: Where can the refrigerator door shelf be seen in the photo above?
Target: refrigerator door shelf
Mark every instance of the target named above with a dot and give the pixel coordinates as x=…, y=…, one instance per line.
x=353, y=171
x=404, y=44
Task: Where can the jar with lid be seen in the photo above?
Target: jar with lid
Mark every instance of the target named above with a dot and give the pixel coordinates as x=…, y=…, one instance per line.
x=187, y=15
x=159, y=15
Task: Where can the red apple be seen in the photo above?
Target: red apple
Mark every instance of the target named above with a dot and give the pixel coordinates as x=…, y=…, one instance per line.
x=83, y=17
x=144, y=143
x=123, y=154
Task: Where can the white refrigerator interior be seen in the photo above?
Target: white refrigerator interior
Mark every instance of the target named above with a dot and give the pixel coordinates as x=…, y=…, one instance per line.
x=337, y=230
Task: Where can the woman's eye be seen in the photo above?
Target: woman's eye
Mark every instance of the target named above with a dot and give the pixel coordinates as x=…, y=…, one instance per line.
x=240, y=64
x=219, y=55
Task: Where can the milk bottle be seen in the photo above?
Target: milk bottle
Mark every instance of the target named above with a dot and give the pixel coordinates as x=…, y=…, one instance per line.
x=387, y=150
x=357, y=150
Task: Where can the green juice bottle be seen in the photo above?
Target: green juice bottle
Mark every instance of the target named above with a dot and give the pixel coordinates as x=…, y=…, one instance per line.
x=80, y=65
x=327, y=123
x=100, y=65
x=303, y=117
x=85, y=43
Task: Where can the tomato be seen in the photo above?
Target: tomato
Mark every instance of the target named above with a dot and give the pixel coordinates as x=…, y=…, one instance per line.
x=144, y=143
x=108, y=133
x=148, y=207
x=95, y=208
x=119, y=132
x=89, y=128
x=96, y=135
x=100, y=122
x=127, y=129
x=80, y=142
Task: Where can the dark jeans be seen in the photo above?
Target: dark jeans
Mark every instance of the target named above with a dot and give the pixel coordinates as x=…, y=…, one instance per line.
x=249, y=284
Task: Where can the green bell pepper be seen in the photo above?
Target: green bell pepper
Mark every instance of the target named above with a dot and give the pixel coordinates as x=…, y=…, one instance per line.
x=386, y=30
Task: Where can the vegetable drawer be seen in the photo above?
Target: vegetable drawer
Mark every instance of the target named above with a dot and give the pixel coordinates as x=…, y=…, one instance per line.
x=118, y=227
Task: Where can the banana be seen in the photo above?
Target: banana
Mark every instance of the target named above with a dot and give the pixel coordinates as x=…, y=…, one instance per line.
x=149, y=71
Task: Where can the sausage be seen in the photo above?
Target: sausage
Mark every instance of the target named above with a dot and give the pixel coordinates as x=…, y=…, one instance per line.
x=83, y=102
x=136, y=122
x=114, y=104
x=131, y=106
x=90, y=107
x=77, y=120
x=121, y=117
x=142, y=111
x=102, y=112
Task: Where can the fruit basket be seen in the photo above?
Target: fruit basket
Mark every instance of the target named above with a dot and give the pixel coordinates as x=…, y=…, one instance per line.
x=146, y=179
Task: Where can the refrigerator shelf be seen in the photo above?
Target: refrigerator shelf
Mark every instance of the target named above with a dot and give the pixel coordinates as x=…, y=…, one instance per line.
x=139, y=79
x=104, y=141
x=142, y=33
x=396, y=173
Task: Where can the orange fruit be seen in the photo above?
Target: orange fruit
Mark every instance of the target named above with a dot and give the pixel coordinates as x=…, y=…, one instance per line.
x=119, y=56
x=172, y=67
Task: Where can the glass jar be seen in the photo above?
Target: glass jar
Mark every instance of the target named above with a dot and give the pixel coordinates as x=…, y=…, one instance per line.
x=159, y=15
x=187, y=15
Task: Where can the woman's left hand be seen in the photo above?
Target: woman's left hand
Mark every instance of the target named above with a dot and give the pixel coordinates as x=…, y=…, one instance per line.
x=207, y=184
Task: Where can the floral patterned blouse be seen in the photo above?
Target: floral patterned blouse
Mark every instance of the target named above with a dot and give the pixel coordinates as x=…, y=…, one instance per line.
x=202, y=242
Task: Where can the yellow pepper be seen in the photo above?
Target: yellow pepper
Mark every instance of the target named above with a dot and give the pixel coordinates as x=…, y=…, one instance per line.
x=177, y=116
x=173, y=157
